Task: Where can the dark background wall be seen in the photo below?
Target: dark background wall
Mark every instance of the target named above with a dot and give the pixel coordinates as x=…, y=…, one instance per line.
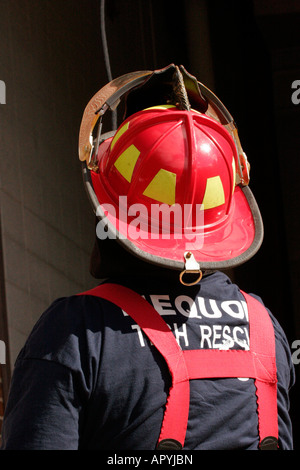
x=254, y=71
x=52, y=61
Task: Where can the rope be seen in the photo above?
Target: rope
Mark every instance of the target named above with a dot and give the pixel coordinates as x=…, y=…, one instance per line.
x=106, y=56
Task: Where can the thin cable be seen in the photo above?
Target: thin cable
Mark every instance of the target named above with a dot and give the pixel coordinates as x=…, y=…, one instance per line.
x=106, y=56
x=104, y=41
x=152, y=36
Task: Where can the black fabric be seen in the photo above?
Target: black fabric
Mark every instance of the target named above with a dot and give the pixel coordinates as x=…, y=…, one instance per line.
x=88, y=378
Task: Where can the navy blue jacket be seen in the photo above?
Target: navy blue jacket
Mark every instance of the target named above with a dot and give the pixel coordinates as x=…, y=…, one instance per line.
x=88, y=378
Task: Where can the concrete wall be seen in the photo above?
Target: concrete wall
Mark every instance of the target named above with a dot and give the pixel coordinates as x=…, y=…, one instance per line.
x=50, y=73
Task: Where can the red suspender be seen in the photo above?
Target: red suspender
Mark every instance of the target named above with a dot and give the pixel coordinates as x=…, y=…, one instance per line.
x=259, y=363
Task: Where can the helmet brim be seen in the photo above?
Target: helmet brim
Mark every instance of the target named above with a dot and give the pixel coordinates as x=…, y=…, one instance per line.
x=232, y=244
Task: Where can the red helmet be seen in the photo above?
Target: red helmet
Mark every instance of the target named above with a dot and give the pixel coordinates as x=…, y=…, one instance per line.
x=171, y=184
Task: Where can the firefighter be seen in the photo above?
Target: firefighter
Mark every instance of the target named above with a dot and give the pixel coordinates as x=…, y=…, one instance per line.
x=167, y=352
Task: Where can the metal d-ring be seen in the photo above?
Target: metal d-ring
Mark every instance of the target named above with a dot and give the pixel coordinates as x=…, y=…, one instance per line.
x=191, y=267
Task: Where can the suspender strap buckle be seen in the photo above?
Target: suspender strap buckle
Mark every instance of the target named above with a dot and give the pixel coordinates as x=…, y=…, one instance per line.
x=169, y=444
x=269, y=443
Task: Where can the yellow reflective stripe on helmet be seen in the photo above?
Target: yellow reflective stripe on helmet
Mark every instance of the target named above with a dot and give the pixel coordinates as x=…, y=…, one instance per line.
x=119, y=133
x=162, y=187
x=125, y=163
x=161, y=106
x=214, y=193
